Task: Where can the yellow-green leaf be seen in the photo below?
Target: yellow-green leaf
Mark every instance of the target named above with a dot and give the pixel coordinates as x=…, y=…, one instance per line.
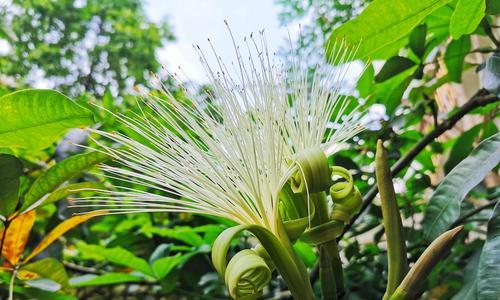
x=34, y=119
x=46, y=268
x=381, y=24
x=466, y=17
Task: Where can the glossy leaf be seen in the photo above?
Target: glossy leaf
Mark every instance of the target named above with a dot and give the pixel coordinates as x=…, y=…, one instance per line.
x=417, y=40
x=394, y=66
x=382, y=23
x=11, y=169
x=58, y=231
x=57, y=175
x=488, y=273
x=17, y=236
x=454, y=57
x=45, y=268
x=105, y=279
x=466, y=17
x=34, y=119
x=444, y=206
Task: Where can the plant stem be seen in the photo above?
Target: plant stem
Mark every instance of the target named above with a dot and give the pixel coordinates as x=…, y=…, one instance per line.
x=481, y=98
x=473, y=212
x=11, y=284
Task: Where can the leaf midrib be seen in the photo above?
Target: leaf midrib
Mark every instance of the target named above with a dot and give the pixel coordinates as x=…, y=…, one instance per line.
x=45, y=123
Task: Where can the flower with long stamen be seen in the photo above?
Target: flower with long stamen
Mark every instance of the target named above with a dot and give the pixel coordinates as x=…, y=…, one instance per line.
x=228, y=157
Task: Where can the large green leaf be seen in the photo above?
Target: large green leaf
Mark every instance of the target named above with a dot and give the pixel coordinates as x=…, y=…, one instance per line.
x=454, y=57
x=488, y=274
x=444, y=206
x=34, y=119
x=465, y=143
x=117, y=255
x=48, y=268
x=382, y=23
x=466, y=17
x=57, y=175
x=105, y=279
x=71, y=189
x=11, y=169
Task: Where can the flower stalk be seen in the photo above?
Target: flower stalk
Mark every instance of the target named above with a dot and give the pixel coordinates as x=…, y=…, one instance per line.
x=396, y=247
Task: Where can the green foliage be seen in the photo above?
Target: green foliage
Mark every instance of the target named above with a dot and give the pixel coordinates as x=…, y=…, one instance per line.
x=466, y=17
x=454, y=57
x=34, y=119
x=57, y=175
x=383, y=24
x=488, y=273
x=10, y=171
x=444, y=205
x=48, y=268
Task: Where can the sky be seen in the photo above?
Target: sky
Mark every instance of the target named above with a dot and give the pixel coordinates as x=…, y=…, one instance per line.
x=194, y=21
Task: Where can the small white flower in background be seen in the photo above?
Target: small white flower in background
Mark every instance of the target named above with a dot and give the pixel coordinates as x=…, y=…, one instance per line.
x=228, y=157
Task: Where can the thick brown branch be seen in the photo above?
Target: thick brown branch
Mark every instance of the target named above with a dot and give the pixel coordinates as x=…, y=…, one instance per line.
x=481, y=98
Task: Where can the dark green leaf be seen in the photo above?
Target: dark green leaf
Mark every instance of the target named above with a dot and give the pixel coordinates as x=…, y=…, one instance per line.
x=394, y=66
x=34, y=119
x=391, y=91
x=462, y=147
x=444, y=206
x=417, y=40
x=382, y=23
x=58, y=174
x=466, y=17
x=488, y=274
x=454, y=57
x=11, y=169
x=492, y=7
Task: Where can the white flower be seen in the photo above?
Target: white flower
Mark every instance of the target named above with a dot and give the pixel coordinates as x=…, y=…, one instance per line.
x=229, y=160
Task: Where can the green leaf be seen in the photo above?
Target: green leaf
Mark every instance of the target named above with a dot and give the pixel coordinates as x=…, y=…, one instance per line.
x=105, y=279
x=48, y=268
x=488, y=274
x=469, y=289
x=34, y=119
x=465, y=142
x=163, y=266
x=71, y=189
x=382, y=23
x=466, y=17
x=492, y=7
x=11, y=169
x=117, y=256
x=391, y=91
x=182, y=233
x=57, y=175
x=394, y=66
x=365, y=82
x=417, y=40
x=444, y=206
x=454, y=57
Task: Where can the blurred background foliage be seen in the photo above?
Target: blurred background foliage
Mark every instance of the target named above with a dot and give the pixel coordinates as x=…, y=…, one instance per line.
x=429, y=88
